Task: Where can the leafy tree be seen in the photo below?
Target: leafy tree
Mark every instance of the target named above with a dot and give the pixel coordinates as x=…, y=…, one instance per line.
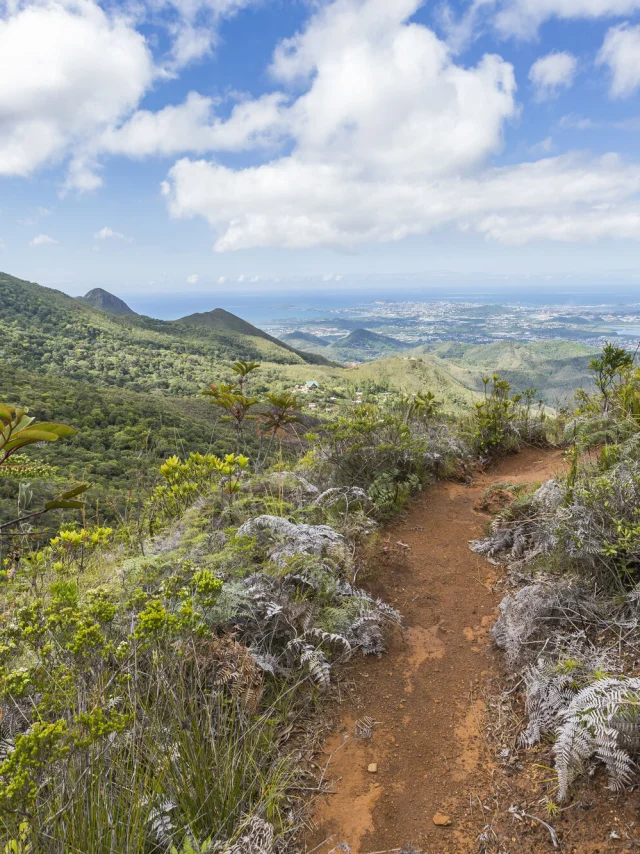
x=609, y=369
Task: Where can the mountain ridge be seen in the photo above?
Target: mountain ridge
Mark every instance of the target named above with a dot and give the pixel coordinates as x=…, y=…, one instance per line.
x=105, y=301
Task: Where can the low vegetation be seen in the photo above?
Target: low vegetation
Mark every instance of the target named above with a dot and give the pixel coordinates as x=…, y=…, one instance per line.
x=573, y=628
x=162, y=651
x=153, y=671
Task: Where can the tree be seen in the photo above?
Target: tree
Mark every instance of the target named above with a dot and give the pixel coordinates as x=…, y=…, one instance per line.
x=608, y=369
x=231, y=398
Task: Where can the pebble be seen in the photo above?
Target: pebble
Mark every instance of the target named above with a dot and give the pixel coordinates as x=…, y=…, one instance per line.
x=373, y=768
x=441, y=820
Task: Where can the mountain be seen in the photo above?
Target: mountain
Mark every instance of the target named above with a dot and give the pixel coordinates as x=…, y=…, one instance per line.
x=362, y=344
x=554, y=368
x=299, y=339
x=129, y=384
x=99, y=298
x=47, y=332
x=220, y=320
x=365, y=338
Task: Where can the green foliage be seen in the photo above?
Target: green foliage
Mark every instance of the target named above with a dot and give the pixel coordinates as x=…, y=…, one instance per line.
x=185, y=480
x=503, y=421
x=390, y=451
x=609, y=370
x=50, y=333
x=18, y=429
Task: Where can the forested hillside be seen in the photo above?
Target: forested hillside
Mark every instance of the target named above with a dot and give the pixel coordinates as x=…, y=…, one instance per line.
x=129, y=384
x=555, y=368
x=45, y=331
x=183, y=575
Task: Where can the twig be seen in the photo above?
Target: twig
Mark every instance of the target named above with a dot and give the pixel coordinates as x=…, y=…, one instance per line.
x=554, y=836
x=318, y=847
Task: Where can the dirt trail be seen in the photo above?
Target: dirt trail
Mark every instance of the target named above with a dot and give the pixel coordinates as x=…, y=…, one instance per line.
x=425, y=694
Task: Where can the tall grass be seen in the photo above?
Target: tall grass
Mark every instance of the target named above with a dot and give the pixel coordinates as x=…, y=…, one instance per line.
x=194, y=764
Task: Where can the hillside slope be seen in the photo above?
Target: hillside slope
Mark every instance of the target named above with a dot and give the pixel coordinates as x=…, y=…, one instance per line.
x=122, y=436
x=221, y=321
x=409, y=375
x=48, y=332
x=99, y=298
x=554, y=368
x=304, y=339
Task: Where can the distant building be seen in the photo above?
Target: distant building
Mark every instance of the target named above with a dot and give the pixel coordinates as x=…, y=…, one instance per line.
x=311, y=384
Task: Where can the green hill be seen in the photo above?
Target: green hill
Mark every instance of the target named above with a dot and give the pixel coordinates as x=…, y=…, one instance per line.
x=221, y=321
x=304, y=339
x=99, y=298
x=554, y=368
x=364, y=345
x=48, y=332
x=409, y=375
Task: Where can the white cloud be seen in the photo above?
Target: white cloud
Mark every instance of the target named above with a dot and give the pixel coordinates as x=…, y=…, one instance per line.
x=522, y=18
x=391, y=138
x=43, y=240
x=222, y=280
x=621, y=52
x=193, y=25
x=296, y=205
x=193, y=279
x=552, y=73
x=385, y=111
x=68, y=69
x=193, y=126
x=545, y=146
x=107, y=233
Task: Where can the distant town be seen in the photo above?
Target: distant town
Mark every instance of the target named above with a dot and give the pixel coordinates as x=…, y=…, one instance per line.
x=396, y=326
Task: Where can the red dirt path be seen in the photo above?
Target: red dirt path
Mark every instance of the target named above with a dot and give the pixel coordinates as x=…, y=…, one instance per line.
x=426, y=696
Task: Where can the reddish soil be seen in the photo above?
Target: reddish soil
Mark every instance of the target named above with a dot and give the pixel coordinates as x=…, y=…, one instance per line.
x=428, y=698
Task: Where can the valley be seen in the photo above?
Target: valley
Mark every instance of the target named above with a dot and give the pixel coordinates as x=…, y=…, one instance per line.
x=212, y=525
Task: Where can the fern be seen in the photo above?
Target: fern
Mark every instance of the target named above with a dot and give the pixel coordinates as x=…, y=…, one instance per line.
x=603, y=720
x=257, y=837
x=555, y=679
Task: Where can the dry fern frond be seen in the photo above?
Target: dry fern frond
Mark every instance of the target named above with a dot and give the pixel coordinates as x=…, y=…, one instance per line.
x=603, y=720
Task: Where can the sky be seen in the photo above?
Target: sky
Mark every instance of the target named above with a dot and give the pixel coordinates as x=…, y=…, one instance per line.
x=190, y=147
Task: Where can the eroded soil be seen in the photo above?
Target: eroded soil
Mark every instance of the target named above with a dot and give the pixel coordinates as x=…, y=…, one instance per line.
x=428, y=699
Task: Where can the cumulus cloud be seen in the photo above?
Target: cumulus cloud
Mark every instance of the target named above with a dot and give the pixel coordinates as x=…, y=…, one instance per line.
x=68, y=69
x=193, y=127
x=621, y=53
x=552, y=73
x=222, y=280
x=43, y=240
x=193, y=279
x=107, y=233
x=522, y=18
x=73, y=72
x=384, y=110
x=291, y=205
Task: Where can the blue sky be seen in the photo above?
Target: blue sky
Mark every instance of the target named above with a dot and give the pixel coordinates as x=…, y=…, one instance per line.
x=200, y=146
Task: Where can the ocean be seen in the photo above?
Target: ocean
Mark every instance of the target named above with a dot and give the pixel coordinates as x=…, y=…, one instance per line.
x=268, y=306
